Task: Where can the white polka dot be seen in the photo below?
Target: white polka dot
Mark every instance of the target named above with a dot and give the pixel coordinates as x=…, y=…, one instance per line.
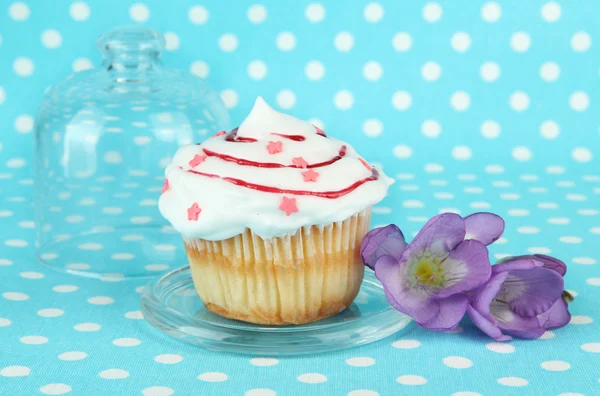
x=461, y=153
x=466, y=394
x=434, y=168
x=55, y=389
x=16, y=163
x=432, y=12
x=363, y=392
x=23, y=66
x=343, y=100
x=260, y=392
x=314, y=70
x=584, y=260
x=581, y=42
x=402, y=151
x=139, y=12
x=200, y=69
x=90, y=246
x=406, y=344
x=490, y=129
x=460, y=101
x=343, y=41
x=461, y=42
x=135, y=315
x=593, y=347
x=82, y=64
x=520, y=41
x=100, y=300
x=519, y=101
x=431, y=71
x=528, y=230
x=593, y=281
x=372, y=128
x=286, y=41
x=171, y=41
x=113, y=157
x=412, y=203
x=87, y=327
x=411, y=380
x=51, y=38
x=431, y=129
x=228, y=42
x=570, y=239
x=50, y=312
x=257, y=70
x=15, y=296
x=549, y=130
x=491, y=12
x=549, y=71
x=402, y=100
x=112, y=374
x=489, y=71
x=500, y=347
x=512, y=381
x=579, y=101
x=213, y=377
x=19, y=11
x=402, y=42
x=31, y=275
x=315, y=13
x=521, y=153
x=312, y=378
x=257, y=13
x=126, y=342
x=555, y=365
x=156, y=267
x=158, y=391
x=168, y=358
x=372, y=71
x=141, y=219
x=286, y=99
x=198, y=15
x=457, y=362
x=2, y=96
x=79, y=11
x=33, y=340
x=576, y=197
x=230, y=98
x=360, y=362
x=581, y=154
x=24, y=123
x=264, y=362
x=15, y=371
x=580, y=319
x=4, y=322
x=373, y=12
x=73, y=355
x=551, y=11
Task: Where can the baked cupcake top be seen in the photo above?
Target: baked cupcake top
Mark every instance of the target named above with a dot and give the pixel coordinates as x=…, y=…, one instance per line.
x=274, y=174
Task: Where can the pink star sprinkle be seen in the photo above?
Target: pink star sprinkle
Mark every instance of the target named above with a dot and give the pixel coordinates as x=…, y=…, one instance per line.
x=288, y=205
x=366, y=164
x=319, y=131
x=197, y=160
x=193, y=212
x=219, y=134
x=310, y=175
x=299, y=162
x=275, y=147
x=165, y=186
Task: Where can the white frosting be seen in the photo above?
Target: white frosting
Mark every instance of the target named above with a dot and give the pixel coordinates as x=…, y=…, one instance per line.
x=227, y=209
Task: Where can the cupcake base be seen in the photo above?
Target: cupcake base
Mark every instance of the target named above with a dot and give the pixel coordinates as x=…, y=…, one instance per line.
x=311, y=275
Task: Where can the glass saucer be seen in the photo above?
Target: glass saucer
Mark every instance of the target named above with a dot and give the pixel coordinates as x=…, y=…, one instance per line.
x=171, y=305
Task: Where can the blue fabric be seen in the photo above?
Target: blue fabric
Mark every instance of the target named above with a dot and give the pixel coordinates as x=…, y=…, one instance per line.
x=517, y=136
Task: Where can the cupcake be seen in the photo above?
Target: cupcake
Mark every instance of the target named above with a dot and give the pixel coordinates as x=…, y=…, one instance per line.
x=272, y=215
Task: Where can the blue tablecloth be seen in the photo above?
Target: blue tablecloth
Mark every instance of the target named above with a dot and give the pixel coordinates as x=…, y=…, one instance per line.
x=470, y=106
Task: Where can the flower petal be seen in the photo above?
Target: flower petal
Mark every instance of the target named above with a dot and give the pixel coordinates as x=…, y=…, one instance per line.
x=552, y=263
x=413, y=302
x=467, y=267
x=557, y=316
x=381, y=241
x=485, y=325
x=451, y=311
x=440, y=235
x=482, y=297
x=514, y=324
x=532, y=292
x=515, y=263
x=484, y=227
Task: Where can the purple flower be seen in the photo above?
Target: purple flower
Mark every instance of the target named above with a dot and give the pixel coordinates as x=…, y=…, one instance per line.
x=522, y=298
x=427, y=279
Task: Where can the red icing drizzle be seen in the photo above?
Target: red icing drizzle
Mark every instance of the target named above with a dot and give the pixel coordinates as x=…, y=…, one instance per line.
x=322, y=194
x=296, y=138
x=241, y=161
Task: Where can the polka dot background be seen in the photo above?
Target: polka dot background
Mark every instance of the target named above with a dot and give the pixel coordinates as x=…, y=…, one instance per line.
x=470, y=105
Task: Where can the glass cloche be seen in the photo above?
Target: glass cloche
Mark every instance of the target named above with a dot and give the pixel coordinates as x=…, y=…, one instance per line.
x=103, y=139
